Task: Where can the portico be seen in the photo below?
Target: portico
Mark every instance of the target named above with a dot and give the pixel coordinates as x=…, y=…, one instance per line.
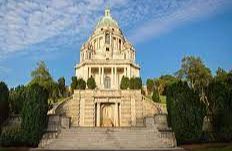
x=107, y=113
x=107, y=76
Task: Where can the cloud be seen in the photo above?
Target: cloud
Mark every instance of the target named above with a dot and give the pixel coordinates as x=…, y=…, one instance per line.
x=4, y=72
x=47, y=25
x=162, y=24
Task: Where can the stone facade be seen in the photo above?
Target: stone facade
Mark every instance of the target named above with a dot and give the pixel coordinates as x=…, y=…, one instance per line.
x=137, y=122
x=122, y=108
x=107, y=55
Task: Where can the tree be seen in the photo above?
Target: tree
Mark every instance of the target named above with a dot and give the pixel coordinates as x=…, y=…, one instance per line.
x=185, y=112
x=155, y=96
x=167, y=80
x=81, y=84
x=42, y=77
x=138, y=83
x=16, y=99
x=221, y=74
x=62, y=87
x=91, y=83
x=34, y=114
x=132, y=83
x=197, y=75
x=54, y=92
x=159, y=85
x=135, y=83
x=150, y=86
x=4, y=104
x=219, y=95
x=124, y=83
x=74, y=83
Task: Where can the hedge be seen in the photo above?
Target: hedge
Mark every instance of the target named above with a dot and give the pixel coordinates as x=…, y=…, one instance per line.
x=34, y=114
x=220, y=104
x=185, y=112
x=4, y=102
x=91, y=83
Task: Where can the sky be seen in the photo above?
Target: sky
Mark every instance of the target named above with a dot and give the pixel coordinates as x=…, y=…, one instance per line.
x=162, y=32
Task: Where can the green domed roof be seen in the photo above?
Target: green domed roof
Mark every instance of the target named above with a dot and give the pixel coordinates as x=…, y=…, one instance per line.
x=107, y=20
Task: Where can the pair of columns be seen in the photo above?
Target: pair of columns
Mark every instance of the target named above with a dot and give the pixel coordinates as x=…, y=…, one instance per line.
x=114, y=75
x=114, y=79
x=116, y=113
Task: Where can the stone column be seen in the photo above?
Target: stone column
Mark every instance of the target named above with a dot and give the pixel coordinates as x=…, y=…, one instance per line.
x=124, y=71
x=116, y=78
x=98, y=114
x=102, y=76
x=116, y=114
x=89, y=70
x=99, y=75
x=88, y=73
x=112, y=78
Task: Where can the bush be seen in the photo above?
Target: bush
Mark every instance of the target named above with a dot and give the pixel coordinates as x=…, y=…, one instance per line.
x=220, y=104
x=150, y=86
x=81, y=84
x=62, y=87
x=124, y=83
x=4, y=104
x=185, y=112
x=11, y=136
x=34, y=114
x=155, y=96
x=135, y=83
x=91, y=83
x=16, y=99
x=74, y=83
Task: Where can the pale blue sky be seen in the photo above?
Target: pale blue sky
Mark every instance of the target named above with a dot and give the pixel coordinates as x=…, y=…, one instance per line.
x=162, y=32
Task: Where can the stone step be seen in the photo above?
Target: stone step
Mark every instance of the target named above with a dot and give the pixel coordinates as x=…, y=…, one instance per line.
x=108, y=138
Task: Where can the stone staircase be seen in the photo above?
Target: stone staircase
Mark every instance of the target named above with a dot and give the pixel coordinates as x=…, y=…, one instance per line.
x=134, y=138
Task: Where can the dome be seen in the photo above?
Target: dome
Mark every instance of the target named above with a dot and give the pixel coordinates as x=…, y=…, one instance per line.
x=107, y=20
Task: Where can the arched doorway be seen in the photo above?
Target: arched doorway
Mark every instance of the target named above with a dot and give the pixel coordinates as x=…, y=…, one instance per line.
x=107, y=84
x=107, y=115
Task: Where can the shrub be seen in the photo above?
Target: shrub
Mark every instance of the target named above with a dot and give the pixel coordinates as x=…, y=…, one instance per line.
x=185, y=112
x=132, y=83
x=91, y=83
x=138, y=83
x=220, y=104
x=81, y=84
x=11, y=136
x=150, y=85
x=4, y=104
x=155, y=96
x=16, y=99
x=34, y=114
x=74, y=83
x=62, y=87
x=124, y=83
x=135, y=83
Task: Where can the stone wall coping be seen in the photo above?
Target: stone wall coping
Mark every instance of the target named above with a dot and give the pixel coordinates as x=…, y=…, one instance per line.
x=102, y=92
x=107, y=62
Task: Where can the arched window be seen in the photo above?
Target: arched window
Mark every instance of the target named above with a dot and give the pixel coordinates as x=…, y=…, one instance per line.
x=120, y=44
x=107, y=83
x=107, y=38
